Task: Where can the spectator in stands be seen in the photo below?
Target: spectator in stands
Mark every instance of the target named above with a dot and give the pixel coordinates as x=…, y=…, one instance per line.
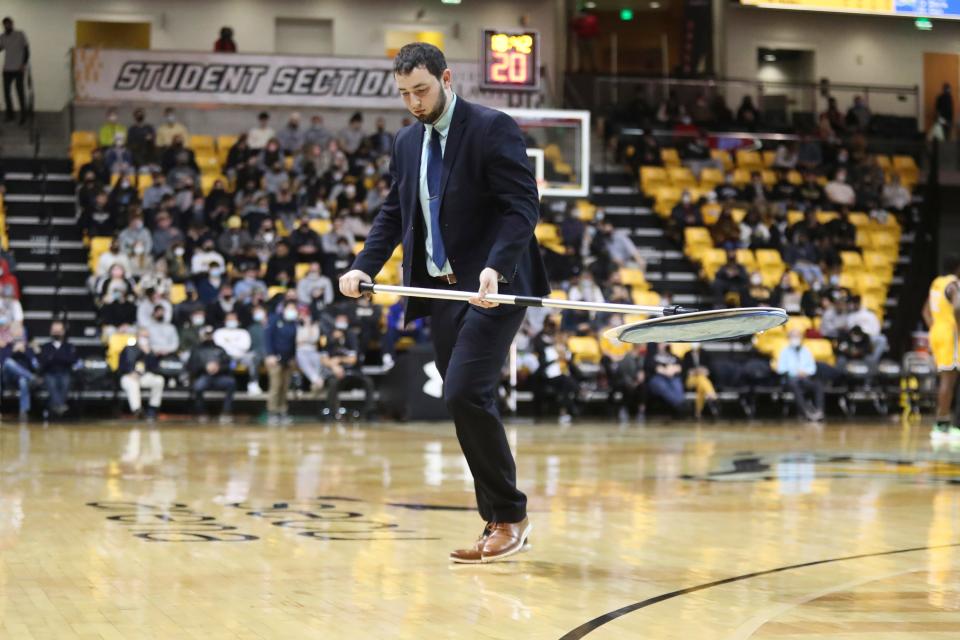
x=177, y=267
x=141, y=263
x=759, y=294
x=853, y=346
x=11, y=315
x=140, y=370
x=832, y=122
x=305, y=241
x=260, y=135
x=727, y=191
x=280, y=345
x=664, y=376
x=119, y=160
x=123, y=201
x=312, y=281
x=795, y=362
x=116, y=282
x=189, y=332
x=154, y=194
x=209, y=367
x=234, y=239
x=842, y=231
x=858, y=115
x=249, y=286
x=317, y=134
x=87, y=191
x=281, y=262
x=731, y=281
x=14, y=42
x=308, y=349
x=648, y=153
x=685, y=214
x=696, y=374
x=19, y=366
x=725, y=231
x=170, y=129
x=895, y=195
x=291, y=138
x=787, y=156
x=113, y=255
x=554, y=375
x=861, y=316
x=147, y=307
x=141, y=139
x=180, y=164
x=351, y=137
x=225, y=302
x=98, y=167
x=57, y=360
x=165, y=235
x=341, y=363
x=748, y=116
x=111, y=129
x=786, y=295
x=206, y=255
x=238, y=156
x=628, y=380
x=755, y=191
x=209, y=283
x=135, y=233
x=944, y=108
x=163, y=335
x=237, y=343
x=754, y=232
x=619, y=246
x=8, y=279
x=225, y=43
x=381, y=140
x=275, y=177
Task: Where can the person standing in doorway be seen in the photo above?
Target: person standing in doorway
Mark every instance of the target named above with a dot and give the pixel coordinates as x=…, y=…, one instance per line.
x=17, y=55
x=944, y=110
x=463, y=203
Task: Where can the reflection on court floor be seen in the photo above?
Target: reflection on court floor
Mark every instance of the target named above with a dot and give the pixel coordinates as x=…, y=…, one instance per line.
x=679, y=531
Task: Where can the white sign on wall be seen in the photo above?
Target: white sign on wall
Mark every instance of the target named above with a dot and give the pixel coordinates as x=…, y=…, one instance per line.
x=112, y=76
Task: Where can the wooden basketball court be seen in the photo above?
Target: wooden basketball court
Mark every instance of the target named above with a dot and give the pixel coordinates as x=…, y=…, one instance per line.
x=734, y=531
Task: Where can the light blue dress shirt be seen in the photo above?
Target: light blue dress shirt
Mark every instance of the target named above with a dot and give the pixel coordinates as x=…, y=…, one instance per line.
x=443, y=127
x=793, y=361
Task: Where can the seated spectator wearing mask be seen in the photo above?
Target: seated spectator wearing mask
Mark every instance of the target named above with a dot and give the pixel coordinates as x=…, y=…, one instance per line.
x=798, y=367
x=19, y=366
x=209, y=287
x=57, y=360
x=341, y=365
x=629, y=379
x=308, y=349
x=118, y=158
x=163, y=336
x=313, y=280
x=140, y=370
x=225, y=303
x=280, y=342
x=731, y=282
x=249, y=286
x=838, y=191
x=554, y=374
x=189, y=333
x=111, y=129
x=209, y=367
x=135, y=232
x=170, y=129
x=235, y=340
x=203, y=257
x=664, y=376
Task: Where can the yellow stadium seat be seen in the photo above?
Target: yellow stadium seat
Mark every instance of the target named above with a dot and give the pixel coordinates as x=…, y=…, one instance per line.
x=870, y=283
x=904, y=162
x=885, y=242
x=749, y=160
x=875, y=303
x=799, y=323
x=669, y=157
x=879, y=263
x=389, y=274
x=613, y=348
x=723, y=156
x=883, y=162
x=546, y=232
x=793, y=217
x=823, y=217
x=711, y=260
x=851, y=259
x=117, y=343
x=710, y=177
x=711, y=212
x=680, y=349
x=859, y=219
x=178, y=293
x=741, y=176
x=357, y=247
x=585, y=349
x=202, y=144
x=681, y=177
x=385, y=299
x=209, y=164
x=848, y=280
x=320, y=226
x=697, y=237
x=586, y=210
x=79, y=158
x=646, y=298
x=768, y=177
x=558, y=294
x=772, y=273
x=768, y=257
x=652, y=176
x=225, y=142
x=770, y=342
x=275, y=290
x=794, y=177
x=768, y=158
x=98, y=246
x=301, y=270
x=747, y=259
x=633, y=277
x=84, y=140
x=821, y=349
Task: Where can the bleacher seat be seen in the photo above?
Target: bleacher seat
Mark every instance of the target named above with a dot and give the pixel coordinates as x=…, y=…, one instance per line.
x=696, y=241
x=851, y=260
x=906, y=168
x=202, y=144
x=822, y=350
x=794, y=177
x=651, y=177
x=859, y=219
x=768, y=158
x=98, y=246
x=681, y=177
x=646, y=298
x=799, y=323
x=320, y=226
x=669, y=157
x=178, y=293
x=741, y=177
x=723, y=156
x=749, y=160
x=117, y=343
x=584, y=349
x=633, y=277
x=710, y=177
x=747, y=259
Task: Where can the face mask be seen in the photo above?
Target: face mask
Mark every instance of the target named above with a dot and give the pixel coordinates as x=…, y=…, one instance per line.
x=56, y=336
x=178, y=251
x=350, y=191
x=289, y=315
x=138, y=249
x=197, y=321
x=158, y=318
x=231, y=324
x=259, y=316
x=369, y=171
x=341, y=324
x=171, y=118
x=268, y=237
x=835, y=280
x=756, y=279
x=685, y=200
x=112, y=117
x=796, y=342
x=216, y=272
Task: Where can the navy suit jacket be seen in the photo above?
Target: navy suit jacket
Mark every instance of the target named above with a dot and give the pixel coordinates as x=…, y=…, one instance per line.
x=489, y=208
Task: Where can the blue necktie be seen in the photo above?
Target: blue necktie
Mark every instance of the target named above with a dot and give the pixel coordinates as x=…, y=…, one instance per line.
x=434, y=170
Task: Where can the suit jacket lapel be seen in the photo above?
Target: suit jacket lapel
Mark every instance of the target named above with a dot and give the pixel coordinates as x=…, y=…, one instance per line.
x=454, y=136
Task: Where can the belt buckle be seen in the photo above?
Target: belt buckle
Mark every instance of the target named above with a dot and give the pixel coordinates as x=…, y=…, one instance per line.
x=451, y=278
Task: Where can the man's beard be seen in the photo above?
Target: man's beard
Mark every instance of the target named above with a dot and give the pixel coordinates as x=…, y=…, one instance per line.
x=434, y=115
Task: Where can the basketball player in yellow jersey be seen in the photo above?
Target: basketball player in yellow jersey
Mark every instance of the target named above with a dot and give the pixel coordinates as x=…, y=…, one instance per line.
x=942, y=315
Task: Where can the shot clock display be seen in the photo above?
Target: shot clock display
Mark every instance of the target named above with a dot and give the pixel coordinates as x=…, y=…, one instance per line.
x=511, y=60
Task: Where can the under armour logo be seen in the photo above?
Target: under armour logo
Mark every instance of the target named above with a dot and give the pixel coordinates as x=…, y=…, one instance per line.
x=434, y=384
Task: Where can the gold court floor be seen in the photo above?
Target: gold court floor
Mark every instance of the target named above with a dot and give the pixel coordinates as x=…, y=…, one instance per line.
x=666, y=531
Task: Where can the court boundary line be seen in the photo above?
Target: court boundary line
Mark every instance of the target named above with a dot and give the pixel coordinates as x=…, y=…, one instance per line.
x=601, y=620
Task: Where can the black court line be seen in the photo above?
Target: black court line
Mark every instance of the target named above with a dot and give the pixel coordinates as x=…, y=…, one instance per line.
x=598, y=622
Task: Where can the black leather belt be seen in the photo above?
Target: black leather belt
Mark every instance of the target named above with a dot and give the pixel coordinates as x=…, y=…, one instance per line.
x=447, y=279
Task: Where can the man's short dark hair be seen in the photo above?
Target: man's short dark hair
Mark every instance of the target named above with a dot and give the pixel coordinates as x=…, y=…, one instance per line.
x=951, y=263
x=419, y=54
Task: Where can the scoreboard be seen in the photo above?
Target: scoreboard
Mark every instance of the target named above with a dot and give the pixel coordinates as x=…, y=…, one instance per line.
x=949, y=9
x=511, y=59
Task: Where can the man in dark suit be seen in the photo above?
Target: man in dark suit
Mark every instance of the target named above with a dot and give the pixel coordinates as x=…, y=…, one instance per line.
x=463, y=202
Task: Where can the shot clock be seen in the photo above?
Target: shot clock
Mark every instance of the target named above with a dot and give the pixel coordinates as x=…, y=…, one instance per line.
x=511, y=60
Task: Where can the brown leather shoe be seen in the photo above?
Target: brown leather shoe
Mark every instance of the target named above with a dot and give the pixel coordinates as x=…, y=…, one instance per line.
x=472, y=555
x=505, y=539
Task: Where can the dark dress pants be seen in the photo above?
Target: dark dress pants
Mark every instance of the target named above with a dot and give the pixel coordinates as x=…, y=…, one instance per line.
x=471, y=345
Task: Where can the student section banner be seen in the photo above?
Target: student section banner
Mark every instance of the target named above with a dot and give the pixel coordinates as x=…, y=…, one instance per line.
x=113, y=75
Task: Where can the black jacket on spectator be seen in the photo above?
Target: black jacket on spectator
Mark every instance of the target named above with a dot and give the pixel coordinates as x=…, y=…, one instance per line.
x=57, y=359
x=206, y=352
x=27, y=357
x=98, y=222
x=216, y=314
x=118, y=312
x=280, y=338
x=99, y=169
x=132, y=356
